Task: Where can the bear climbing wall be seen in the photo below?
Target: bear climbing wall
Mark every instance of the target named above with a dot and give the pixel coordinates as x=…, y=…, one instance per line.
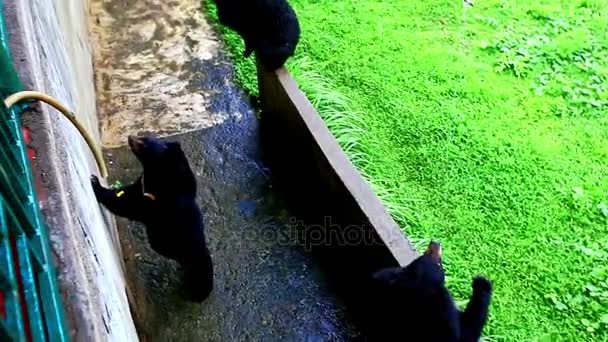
x=50, y=46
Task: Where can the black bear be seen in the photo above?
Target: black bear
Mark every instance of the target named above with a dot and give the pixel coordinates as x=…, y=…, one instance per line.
x=163, y=198
x=415, y=304
x=269, y=27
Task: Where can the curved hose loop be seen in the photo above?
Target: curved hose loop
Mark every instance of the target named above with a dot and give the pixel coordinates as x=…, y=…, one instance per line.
x=34, y=95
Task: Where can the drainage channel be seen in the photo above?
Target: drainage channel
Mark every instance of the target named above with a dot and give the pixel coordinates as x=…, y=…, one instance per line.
x=160, y=70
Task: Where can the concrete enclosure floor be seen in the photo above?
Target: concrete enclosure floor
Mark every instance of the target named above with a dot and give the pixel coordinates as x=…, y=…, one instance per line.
x=160, y=69
x=267, y=287
x=151, y=62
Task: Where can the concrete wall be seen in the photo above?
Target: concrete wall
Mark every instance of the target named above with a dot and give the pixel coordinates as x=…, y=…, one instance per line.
x=348, y=226
x=50, y=47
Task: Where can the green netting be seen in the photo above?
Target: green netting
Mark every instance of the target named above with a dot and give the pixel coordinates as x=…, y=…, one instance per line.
x=30, y=307
x=9, y=82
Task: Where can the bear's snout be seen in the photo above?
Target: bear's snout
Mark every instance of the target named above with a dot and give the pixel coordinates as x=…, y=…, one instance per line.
x=434, y=251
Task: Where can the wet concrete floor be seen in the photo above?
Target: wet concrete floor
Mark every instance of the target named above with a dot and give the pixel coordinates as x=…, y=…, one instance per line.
x=267, y=286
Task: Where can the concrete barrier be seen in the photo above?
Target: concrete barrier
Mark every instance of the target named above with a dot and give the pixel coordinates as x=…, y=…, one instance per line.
x=50, y=47
x=343, y=221
x=315, y=163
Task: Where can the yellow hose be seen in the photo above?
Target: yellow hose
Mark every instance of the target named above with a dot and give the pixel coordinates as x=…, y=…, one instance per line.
x=34, y=95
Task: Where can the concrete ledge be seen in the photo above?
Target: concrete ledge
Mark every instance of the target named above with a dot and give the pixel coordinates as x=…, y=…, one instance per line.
x=313, y=154
x=324, y=190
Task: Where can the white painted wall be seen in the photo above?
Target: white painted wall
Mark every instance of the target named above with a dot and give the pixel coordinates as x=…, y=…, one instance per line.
x=50, y=43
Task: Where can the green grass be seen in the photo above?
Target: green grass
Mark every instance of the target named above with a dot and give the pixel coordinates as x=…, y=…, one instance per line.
x=485, y=128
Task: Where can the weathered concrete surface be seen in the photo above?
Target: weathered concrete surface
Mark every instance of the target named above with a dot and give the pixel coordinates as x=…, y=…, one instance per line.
x=49, y=42
x=268, y=288
x=147, y=67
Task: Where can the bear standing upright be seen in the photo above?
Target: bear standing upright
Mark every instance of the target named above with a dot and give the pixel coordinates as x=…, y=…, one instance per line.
x=163, y=198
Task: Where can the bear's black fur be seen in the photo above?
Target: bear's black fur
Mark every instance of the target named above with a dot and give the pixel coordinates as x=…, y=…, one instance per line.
x=415, y=304
x=163, y=198
x=269, y=27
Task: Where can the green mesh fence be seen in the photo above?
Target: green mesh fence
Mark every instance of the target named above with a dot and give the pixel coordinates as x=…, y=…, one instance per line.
x=30, y=307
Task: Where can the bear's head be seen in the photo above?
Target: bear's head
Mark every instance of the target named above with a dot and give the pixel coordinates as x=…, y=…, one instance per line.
x=166, y=168
x=416, y=296
x=424, y=276
x=426, y=272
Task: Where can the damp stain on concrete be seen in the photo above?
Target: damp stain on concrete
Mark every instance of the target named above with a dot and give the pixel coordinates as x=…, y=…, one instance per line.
x=148, y=75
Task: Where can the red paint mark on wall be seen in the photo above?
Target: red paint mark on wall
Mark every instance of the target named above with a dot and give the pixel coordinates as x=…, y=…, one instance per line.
x=31, y=155
x=27, y=135
x=27, y=138
x=2, y=306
